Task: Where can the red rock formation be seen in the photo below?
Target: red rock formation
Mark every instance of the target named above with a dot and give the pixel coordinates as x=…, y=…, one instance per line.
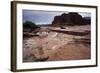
x=71, y=18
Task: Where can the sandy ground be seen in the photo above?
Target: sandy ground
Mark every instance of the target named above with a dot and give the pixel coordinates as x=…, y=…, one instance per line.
x=57, y=46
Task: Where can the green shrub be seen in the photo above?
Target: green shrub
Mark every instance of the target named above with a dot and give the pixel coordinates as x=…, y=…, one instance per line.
x=29, y=25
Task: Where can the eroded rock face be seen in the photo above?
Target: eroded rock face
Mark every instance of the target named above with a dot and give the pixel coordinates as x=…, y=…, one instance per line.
x=71, y=18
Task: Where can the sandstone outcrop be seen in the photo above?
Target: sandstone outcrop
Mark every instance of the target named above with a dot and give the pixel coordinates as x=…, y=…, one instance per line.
x=71, y=18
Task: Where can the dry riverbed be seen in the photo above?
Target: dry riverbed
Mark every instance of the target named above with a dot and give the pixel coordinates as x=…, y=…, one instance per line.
x=57, y=46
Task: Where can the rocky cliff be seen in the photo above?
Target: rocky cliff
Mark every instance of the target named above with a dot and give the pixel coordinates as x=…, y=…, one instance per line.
x=71, y=18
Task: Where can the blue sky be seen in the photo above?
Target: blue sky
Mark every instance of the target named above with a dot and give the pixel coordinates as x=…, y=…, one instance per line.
x=44, y=17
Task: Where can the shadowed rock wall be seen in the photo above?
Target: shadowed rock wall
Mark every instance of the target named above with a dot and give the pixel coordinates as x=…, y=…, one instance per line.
x=71, y=18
